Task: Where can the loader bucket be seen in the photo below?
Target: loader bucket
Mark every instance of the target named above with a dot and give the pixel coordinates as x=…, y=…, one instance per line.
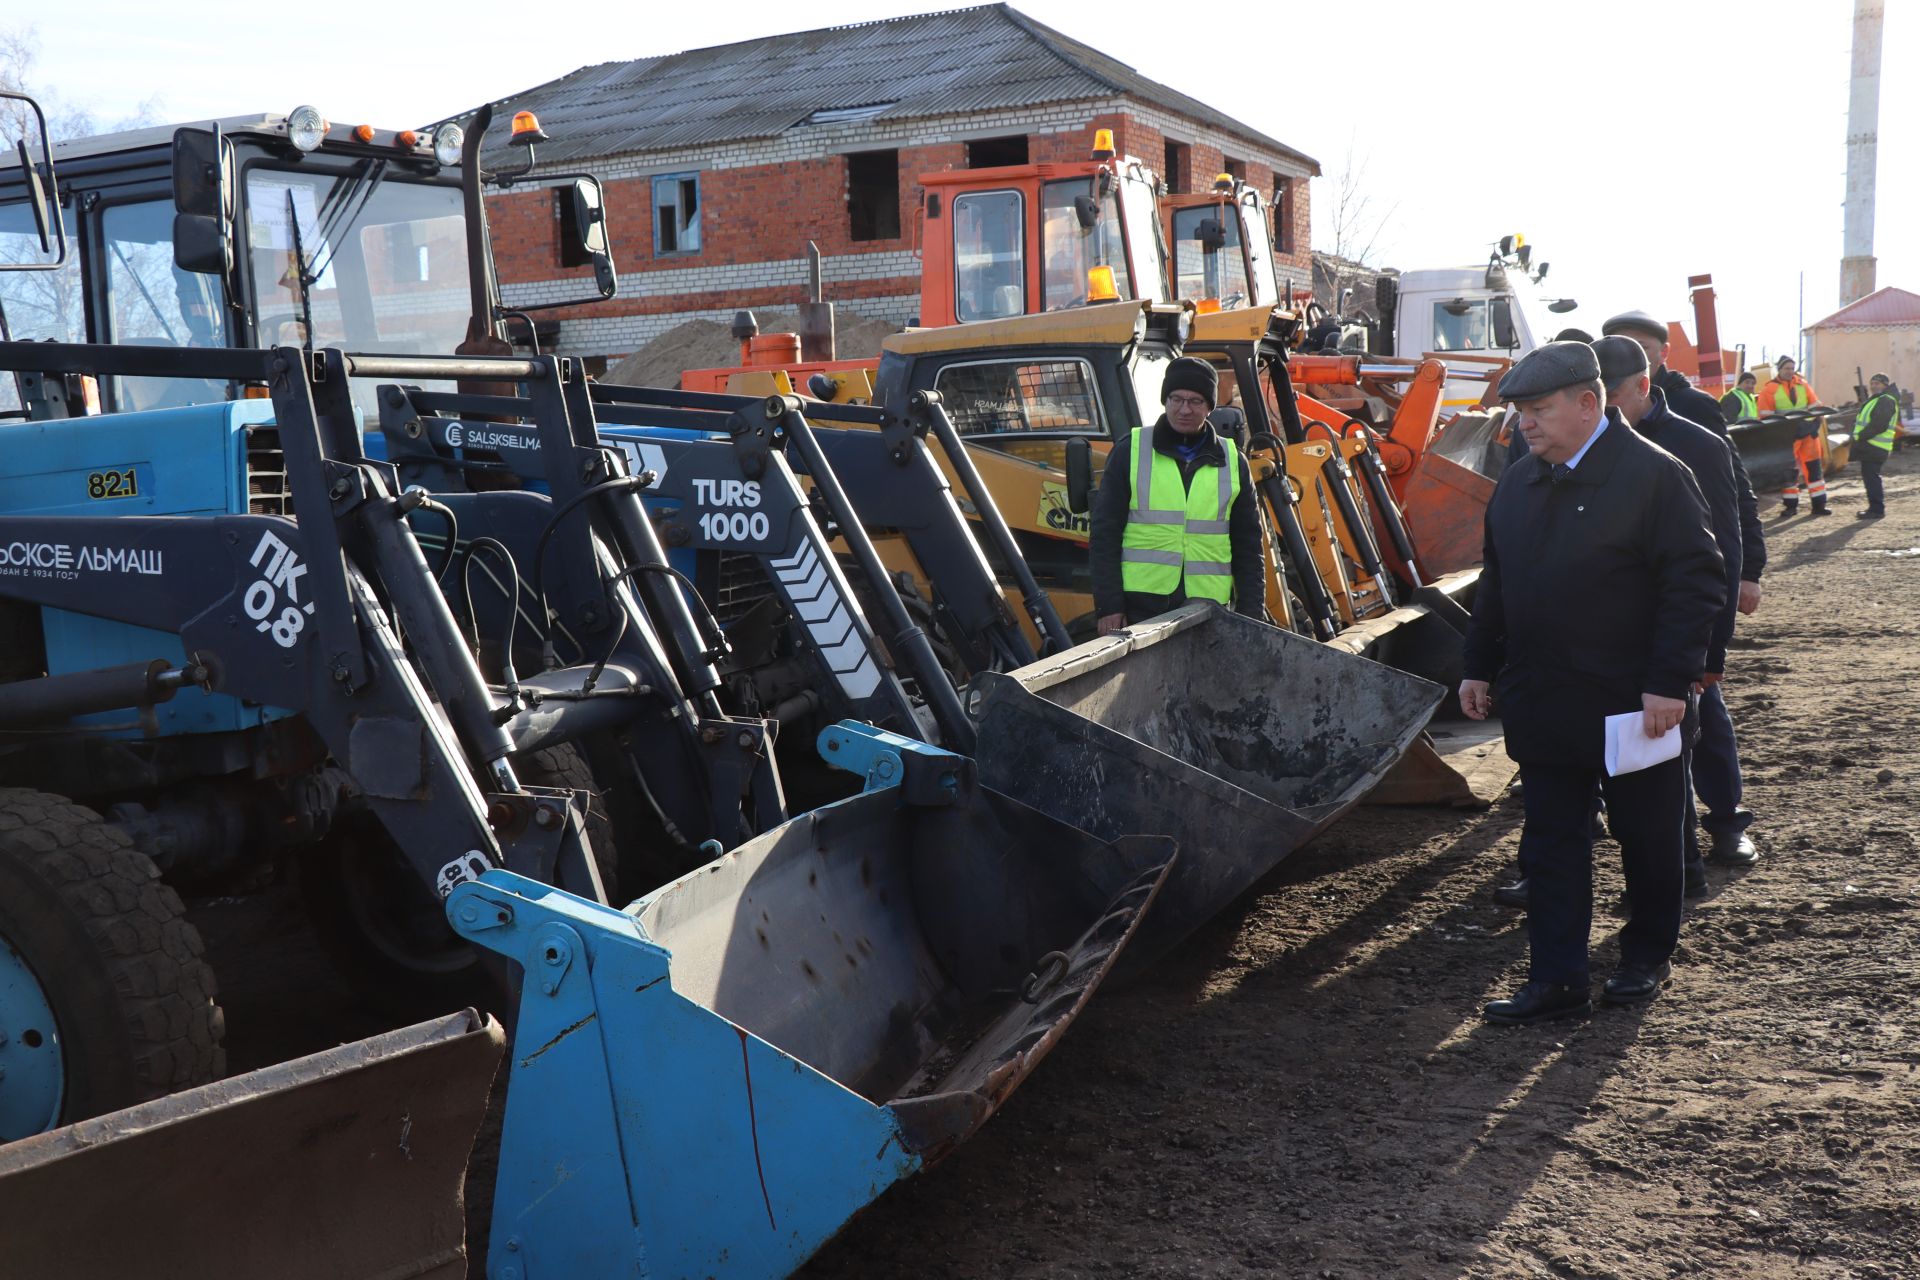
x=349, y=1163
x=1445, y=498
x=1766, y=450
x=1455, y=761
x=714, y=1081
x=1240, y=740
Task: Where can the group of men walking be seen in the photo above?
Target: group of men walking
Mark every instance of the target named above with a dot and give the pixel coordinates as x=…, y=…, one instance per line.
x=1621, y=544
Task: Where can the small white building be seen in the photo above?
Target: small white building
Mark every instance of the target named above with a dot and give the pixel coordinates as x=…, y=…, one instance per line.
x=1878, y=334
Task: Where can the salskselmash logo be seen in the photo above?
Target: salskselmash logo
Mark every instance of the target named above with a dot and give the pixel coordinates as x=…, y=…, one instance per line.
x=462, y=437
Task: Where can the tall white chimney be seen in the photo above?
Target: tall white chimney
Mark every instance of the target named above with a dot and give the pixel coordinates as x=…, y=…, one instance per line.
x=1863, y=137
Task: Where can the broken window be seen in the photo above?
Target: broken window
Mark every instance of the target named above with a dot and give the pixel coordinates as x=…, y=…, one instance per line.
x=676, y=214
x=873, y=195
x=1282, y=215
x=991, y=153
x=1233, y=168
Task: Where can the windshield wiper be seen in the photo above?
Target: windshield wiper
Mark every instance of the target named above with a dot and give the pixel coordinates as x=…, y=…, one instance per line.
x=301, y=277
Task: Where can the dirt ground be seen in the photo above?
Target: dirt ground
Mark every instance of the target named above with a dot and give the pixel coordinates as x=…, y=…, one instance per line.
x=1307, y=1089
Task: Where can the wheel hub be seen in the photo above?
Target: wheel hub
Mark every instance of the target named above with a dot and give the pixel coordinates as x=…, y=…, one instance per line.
x=32, y=1066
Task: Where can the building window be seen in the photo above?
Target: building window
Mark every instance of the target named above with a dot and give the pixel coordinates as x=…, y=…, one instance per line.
x=1233, y=168
x=991, y=153
x=1179, y=174
x=1283, y=214
x=676, y=214
x=873, y=195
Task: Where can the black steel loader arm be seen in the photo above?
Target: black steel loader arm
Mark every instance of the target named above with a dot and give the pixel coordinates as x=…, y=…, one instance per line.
x=308, y=614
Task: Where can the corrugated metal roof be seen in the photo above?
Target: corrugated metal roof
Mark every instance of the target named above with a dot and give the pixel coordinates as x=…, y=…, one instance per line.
x=929, y=64
x=1888, y=306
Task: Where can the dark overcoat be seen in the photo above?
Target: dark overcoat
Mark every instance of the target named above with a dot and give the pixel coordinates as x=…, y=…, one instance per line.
x=1596, y=589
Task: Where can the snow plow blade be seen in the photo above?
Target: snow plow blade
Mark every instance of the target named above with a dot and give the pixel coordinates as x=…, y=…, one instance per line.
x=712, y=1082
x=347, y=1163
x=1239, y=740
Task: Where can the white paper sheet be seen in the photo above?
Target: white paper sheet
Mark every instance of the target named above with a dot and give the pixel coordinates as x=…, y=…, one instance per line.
x=1629, y=749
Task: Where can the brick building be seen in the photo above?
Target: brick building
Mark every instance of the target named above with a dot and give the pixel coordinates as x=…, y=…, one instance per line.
x=721, y=164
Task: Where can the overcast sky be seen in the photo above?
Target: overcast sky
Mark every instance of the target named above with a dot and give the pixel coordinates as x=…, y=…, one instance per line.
x=1634, y=143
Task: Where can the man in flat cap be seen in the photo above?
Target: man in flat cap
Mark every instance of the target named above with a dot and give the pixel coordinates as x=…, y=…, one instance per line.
x=1174, y=516
x=1623, y=367
x=1599, y=593
x=1716, y=773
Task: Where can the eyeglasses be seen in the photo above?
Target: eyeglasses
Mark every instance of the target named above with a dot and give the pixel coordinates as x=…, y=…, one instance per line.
x=1186, y=402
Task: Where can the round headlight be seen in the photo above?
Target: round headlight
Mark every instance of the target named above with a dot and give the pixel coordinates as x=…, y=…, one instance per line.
x=306, y=128
x=447, y=141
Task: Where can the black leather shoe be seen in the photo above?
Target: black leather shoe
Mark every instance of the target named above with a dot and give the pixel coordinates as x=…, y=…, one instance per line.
x=1540, y=1002
x=1597, y=826
x=1512, y=895
x=1788, y=513
x=1822, y=511
x=1869, y=515
x=1734, y=849
x=1630, y=985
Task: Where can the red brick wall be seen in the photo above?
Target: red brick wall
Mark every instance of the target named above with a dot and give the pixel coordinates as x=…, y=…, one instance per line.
x=768, y=213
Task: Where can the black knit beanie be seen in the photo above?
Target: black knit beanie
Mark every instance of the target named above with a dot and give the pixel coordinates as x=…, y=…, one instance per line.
x=1192, y=374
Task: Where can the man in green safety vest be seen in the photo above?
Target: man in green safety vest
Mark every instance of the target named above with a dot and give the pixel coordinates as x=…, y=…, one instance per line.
x=1741, y=404
x=1874, y=430
x=1174, y=517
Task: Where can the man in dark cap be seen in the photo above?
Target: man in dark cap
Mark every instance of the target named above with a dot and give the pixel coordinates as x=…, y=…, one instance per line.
x=1174, y=516
x=1716, y=774
x=1623, y=367
x=1875, y=428
x=1599, y=592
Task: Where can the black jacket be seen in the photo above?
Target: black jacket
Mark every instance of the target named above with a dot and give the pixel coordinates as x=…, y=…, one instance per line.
x=1710, y=459
x=1701, y=409
x=1114, y=497
x=1594, y=591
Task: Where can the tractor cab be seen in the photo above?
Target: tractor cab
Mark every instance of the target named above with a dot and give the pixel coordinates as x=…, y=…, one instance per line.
x=1221, y=245
x=1025, y=239
x=255, y=231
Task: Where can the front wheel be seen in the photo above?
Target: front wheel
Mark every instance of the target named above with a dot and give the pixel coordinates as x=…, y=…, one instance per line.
x=104, y=999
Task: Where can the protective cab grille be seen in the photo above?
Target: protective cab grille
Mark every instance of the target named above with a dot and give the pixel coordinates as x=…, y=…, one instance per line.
x=267, y=492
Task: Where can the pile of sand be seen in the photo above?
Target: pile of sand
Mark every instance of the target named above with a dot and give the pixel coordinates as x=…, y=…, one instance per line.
x=708, y=344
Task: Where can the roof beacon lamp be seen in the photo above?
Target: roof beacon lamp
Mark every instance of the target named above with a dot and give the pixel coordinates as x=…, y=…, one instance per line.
x=1100, y=287
x=527, y=130
x=306, y=128
x=1103, y=144
x=447, y=141
x=1224, y=184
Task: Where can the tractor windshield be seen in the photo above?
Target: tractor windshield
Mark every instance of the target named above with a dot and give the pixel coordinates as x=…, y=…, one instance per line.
x=358, y=258
x=1209, y=261
x=1082, y=232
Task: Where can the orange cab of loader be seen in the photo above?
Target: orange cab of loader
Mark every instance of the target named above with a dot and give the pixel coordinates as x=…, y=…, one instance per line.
x=1023, y=239
x=1220, y=246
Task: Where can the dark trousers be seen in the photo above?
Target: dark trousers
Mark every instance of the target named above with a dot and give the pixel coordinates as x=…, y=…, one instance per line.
x=1871, y=460
x=1644, y=812
x=1716, y=768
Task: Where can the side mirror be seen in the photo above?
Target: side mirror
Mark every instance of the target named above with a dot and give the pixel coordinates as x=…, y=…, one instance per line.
x=43, y=192
x=590, y=223
x=1560, y=306
x=1079, y=475
x=203, y=201
x=1086, y=212
x=1500, y=319
x=1386, y=295
x=1541, y=273
x=1525, y=255
x=1211, y=235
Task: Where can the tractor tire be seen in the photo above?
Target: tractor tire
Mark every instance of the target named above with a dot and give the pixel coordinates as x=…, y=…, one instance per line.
x=387, y=933
x=89, y=934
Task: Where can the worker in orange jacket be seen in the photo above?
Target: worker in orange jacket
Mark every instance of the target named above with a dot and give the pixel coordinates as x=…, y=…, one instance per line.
x=1788, y=392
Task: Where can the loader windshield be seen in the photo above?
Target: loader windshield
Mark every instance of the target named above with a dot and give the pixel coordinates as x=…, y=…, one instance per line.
x=356, y=257
x=1209, y=257
x=1081, y=231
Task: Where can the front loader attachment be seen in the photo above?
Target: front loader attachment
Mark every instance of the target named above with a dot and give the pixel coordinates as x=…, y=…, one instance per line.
x=714, y=1081
x=348, y=1163
x=1445, y=496
x=1240, y=740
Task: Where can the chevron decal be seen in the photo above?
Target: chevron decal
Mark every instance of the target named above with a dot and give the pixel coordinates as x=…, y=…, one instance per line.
x=810, y=588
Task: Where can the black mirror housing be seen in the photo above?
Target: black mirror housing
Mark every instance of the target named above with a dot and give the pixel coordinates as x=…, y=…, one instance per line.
x=590, y=221
x=1086, y=212
x=202, y=244
x=43, y=192
x=1211, y=234
x=1079, y=475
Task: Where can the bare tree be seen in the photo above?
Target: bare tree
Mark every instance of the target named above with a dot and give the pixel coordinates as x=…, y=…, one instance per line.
x=1357, y=222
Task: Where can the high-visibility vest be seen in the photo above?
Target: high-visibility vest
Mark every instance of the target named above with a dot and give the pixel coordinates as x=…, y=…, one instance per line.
x=1174, y=533
x=1885, y=439
x=1790, y=397
x=1749, y=403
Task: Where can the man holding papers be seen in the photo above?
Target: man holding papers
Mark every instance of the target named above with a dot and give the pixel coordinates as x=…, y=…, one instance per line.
x=1602, y=583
